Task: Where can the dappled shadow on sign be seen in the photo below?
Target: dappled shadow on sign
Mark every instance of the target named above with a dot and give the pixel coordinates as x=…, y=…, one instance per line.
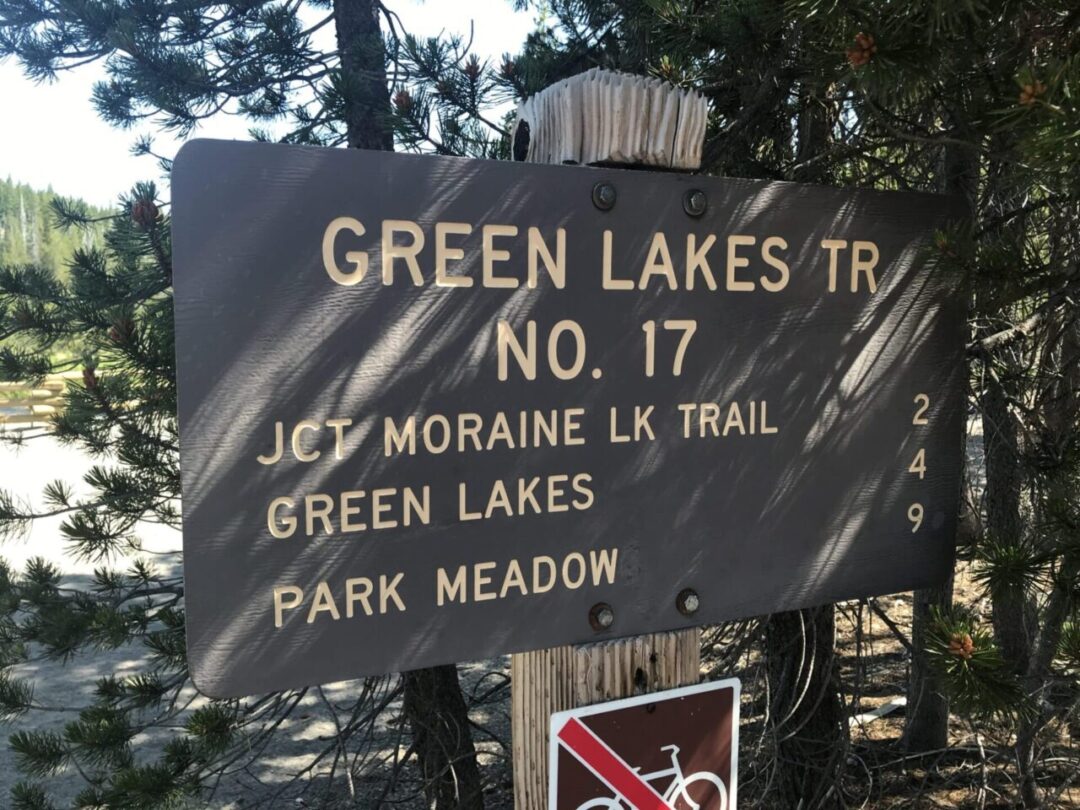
x=816, y=512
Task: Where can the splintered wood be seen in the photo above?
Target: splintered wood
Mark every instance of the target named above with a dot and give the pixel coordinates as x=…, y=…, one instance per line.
x=606, y=117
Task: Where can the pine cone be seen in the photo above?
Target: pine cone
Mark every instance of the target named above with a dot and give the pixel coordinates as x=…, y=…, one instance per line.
x=962, y=646
x=865, y=48
x=122, y=330
x=89, y=378
x=403, y=102
x=473, y=68
x=1030, y=93
x=144, y=213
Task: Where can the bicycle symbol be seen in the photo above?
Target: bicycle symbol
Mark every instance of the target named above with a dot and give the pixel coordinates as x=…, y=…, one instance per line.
x=685, y=791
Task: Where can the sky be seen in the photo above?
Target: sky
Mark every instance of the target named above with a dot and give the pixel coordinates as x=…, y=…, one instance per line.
x=58, y=140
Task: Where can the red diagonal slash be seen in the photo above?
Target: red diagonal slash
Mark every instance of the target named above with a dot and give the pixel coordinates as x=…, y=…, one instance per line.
x=611, y=769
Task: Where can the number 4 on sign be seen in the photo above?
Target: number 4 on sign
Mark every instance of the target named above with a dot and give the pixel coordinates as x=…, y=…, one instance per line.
x=918, y=464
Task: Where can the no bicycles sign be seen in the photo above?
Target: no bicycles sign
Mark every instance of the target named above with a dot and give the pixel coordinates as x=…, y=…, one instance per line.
x=674, y=750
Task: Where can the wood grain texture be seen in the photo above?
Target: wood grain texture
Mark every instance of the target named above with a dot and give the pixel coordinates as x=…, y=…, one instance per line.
x=560, y=678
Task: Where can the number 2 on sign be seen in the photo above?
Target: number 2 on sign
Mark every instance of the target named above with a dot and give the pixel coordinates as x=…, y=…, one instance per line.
x=923, y=401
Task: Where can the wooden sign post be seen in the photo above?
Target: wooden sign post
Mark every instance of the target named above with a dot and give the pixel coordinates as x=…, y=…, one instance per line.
x=600, y=117
x=547, y=681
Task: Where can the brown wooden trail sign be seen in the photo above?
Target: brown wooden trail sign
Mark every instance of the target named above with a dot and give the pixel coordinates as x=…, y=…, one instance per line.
x=436, y=409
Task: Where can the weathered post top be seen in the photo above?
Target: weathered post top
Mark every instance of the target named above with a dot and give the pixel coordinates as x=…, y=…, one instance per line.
x=605, y=117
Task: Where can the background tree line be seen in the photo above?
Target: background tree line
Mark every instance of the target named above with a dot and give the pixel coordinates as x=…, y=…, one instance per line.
x=975, y=99
x=28, y=234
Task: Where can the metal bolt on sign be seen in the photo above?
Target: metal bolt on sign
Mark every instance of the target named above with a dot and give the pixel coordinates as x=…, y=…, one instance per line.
x=603, y=196
x=601, y=616
x=695, y=202
x=687, y=602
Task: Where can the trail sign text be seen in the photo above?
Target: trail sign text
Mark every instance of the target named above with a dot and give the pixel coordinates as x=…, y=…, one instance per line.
x=435, y=409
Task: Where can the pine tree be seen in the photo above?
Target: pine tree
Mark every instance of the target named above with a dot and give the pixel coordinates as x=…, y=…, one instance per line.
x=177, y=63
x=998, y=87
x=983, y=98
x=25, y=212
x=117, y=306
x=976, y=100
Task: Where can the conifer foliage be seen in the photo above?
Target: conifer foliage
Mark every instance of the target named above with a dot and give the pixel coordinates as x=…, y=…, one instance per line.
x=27, y=235
x=116, y=304
x=317, y=72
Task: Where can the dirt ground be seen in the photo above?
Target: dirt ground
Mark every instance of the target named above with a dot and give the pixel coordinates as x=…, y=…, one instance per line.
x=975, y=771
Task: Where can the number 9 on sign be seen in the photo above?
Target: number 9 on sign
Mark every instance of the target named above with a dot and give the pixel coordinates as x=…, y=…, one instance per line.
x=915, y=515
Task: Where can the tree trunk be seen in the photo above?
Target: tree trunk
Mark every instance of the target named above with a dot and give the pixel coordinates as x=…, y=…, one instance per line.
x=1010, y=616
x=368, y=122
x=437, y=715
x=433, y=702
x=1054, y=617
x=807, y=717
x=809, y=724
x=1060, y=413
x=1013, y=610
x=926, y=727
x=815, y=122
